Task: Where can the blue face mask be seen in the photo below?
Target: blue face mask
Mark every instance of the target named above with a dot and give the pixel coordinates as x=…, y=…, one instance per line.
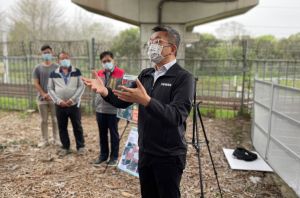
x=109, y=66
x=65, y=63
x=47, y=57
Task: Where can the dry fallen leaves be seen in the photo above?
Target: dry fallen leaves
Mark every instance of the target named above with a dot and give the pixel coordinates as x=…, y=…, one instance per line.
x=27, y=171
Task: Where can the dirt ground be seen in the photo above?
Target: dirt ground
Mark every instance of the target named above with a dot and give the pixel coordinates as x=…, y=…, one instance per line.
x=28, y=171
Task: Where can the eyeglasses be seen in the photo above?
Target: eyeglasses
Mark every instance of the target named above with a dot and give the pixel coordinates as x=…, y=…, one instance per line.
x=157, y=41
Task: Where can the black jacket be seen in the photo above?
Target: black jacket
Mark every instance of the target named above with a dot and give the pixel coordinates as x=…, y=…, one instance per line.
x=162, y=124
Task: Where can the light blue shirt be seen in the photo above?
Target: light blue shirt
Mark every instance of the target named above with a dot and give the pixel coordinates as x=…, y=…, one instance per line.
x=163, y=70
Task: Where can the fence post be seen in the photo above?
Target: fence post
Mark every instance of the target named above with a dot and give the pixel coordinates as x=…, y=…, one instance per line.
x=92, y=61
x=29, y=81
x=92, y=54
x=5, y=58
x=270, y=121
x=245, y=46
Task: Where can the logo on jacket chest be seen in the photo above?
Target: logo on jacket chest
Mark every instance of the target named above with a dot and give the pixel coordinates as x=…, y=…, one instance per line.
x=166, y=84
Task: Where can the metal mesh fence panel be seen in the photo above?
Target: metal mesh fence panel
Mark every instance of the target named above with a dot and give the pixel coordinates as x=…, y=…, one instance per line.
x=275, y=131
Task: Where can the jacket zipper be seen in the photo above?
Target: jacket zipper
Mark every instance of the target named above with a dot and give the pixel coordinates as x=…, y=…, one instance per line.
x=154, y=84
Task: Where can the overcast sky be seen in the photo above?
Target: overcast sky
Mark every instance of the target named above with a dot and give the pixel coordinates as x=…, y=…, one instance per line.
x=277, y=17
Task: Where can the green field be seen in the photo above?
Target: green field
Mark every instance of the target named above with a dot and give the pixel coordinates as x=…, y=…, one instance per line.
x=212, y=74
x=10, y=103
x=221, y=80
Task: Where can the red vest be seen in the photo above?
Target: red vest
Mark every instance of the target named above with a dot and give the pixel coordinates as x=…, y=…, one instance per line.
x=115, y=78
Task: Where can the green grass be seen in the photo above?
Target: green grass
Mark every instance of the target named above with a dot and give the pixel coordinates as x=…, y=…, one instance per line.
x=290, y=83
x=217, y=113
x=11, y=103
x=20, y=104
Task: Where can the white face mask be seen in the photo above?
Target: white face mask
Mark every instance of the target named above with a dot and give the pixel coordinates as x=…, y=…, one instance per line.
x=154, y=53
x=65, y=63
x=109, y=66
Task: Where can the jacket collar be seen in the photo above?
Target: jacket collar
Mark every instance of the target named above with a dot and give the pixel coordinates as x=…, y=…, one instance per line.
x=166, y=66
x=71, y=69
x=171, y=72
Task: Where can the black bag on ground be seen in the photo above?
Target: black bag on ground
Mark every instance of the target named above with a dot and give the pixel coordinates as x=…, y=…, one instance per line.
x=243, y=154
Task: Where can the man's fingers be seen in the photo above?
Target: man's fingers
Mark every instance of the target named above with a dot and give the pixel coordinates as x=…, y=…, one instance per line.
x=95, y=75
x=88, y=84
x=138, y=83
x=87, y=81
x=122, y=94
x=94, y=88
x=124, y=99
x=84, y=79
x=118, y=92
x=126, y=88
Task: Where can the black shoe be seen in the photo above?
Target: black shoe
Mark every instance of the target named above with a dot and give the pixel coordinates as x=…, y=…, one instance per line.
x=63, y=152
x=99, y=161
x=244, y=154
x=112, y=162
x=81, y=151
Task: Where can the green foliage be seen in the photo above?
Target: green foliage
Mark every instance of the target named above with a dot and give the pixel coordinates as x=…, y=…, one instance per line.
x=292, y=46
x=204, y=48
x=262, y=47
x=127, y=43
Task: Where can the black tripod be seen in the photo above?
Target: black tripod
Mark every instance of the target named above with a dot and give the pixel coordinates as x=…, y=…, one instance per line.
x=127, y=123
x=196, y=143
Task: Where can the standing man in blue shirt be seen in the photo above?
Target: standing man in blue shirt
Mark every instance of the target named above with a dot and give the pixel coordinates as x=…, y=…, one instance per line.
x=66, y=88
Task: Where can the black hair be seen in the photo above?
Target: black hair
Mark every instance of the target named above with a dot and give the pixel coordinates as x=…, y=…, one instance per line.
x=106, y=53
x=62, y=52
x=46, y=46
x=173, y=35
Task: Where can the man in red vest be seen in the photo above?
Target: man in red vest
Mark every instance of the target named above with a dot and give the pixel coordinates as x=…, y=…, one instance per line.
x=106, y=114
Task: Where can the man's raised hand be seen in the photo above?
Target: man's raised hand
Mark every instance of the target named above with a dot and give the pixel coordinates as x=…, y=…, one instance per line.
x=96, y=84
x=134, y=95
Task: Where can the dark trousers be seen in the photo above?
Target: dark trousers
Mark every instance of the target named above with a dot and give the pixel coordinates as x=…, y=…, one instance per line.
x=105, y=122
x=63, y=114
x=160, y=176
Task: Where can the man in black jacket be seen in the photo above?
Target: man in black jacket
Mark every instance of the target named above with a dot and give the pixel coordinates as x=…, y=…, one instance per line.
x=164, y=94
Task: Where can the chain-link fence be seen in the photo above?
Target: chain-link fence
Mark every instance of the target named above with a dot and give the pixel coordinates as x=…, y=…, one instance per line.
x=225, y=86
